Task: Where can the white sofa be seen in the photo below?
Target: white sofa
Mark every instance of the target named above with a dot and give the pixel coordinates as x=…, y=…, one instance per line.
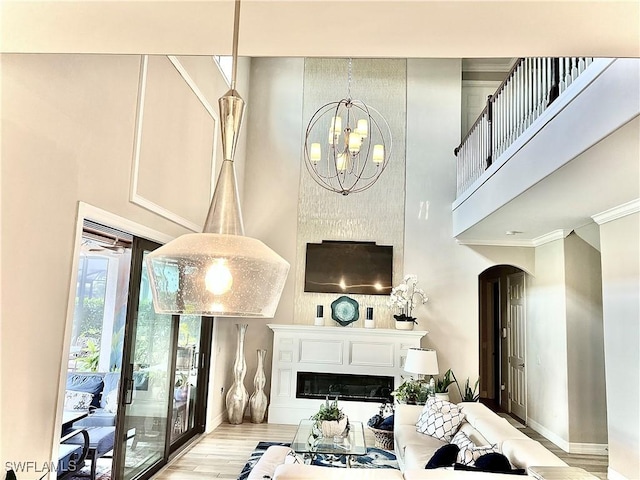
x=413, y=450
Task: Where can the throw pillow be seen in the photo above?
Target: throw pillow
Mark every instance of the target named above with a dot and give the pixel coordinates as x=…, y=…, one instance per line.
x=111, y=402
x=469, y=452
x=77, y=400
x=467, y=468
x=439, y=419
x=387, y=423
x=445, y=456
x=293, y=458
x=493, y=462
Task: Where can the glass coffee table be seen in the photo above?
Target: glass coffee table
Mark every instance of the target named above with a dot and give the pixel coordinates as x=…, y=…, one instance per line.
x=310, y=442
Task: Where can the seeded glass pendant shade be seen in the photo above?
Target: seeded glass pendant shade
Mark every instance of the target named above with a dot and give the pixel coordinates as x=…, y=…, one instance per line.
x=219, y=272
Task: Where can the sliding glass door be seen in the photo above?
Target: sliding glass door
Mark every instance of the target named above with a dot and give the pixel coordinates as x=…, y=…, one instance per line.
x=146, y=386
x=190, y=378
x=165, y=370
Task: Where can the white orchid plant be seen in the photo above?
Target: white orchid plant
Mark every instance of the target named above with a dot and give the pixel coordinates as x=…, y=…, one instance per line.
x=405, y=297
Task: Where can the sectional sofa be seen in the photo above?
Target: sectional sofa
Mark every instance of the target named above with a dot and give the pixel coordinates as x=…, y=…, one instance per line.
x=413, y=450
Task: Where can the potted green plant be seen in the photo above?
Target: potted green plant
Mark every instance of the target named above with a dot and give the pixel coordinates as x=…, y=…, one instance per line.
x=412, y=392
x=442, y=385
x=470, y=395
x=330, y=419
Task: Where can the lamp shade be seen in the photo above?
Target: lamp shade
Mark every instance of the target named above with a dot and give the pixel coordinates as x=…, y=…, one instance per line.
x=421, y=361
x=216, y=274
x=219, y=272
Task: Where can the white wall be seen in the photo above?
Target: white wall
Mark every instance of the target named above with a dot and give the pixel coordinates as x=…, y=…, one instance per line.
x=447, y=271
x=619, y=240
x=565, y=347
x=585, y=346
x=546, y=347
x=68, y=127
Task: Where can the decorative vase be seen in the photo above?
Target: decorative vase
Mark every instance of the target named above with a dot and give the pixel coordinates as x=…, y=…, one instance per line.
x=404, y=325
x=333, y=428
x=442, y=396
x=404, y=322
x=258, y=399
x=237, y=396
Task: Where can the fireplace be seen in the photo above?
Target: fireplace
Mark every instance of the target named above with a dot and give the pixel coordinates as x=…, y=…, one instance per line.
x=311, y=362
x=344, y=386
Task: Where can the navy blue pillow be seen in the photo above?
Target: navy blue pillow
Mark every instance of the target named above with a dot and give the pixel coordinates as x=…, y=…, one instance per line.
x=386, y=424
x=491, y=462
x=445, y=456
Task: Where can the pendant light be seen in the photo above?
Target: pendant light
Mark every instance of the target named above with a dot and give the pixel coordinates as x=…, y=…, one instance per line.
x=219, y=272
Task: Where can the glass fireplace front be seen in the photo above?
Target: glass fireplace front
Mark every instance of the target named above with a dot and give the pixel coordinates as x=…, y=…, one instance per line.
x=349, y=387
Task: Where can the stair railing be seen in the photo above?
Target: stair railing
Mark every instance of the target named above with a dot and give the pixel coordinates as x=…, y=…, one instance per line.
x=530, y=87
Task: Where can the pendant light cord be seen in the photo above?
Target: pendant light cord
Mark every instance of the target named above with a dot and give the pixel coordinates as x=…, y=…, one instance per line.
x=236, y=28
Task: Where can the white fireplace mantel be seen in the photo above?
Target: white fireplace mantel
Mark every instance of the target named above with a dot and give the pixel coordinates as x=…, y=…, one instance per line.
x=306, y=348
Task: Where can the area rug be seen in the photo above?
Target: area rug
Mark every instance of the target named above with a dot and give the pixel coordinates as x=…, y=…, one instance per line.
x=103, y=470
x=375, y=458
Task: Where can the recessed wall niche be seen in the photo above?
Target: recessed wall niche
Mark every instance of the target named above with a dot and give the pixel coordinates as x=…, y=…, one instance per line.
x=375, y=215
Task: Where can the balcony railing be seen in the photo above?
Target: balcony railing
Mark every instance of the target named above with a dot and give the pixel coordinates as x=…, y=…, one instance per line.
x=530, y=87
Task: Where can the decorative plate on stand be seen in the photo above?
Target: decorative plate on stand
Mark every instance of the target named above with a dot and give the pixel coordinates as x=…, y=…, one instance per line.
x=345, y=310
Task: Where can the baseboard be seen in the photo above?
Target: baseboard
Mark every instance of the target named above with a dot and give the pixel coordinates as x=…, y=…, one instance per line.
x=589, y=448
x=579, y=448
x=613, y=475
x=548, y=434
x=215, y=422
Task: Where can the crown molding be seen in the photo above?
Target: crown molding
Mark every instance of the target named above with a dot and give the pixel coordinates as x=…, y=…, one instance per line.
x=494, y=243
x=617, y=212
x=550, y=237
x=535, y=242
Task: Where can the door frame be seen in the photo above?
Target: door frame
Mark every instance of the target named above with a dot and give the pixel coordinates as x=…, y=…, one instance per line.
x=493, y=281
x=86, y=211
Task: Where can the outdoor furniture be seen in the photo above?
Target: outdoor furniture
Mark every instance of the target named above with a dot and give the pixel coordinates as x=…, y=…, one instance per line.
x=100, y=441
x=71, y=456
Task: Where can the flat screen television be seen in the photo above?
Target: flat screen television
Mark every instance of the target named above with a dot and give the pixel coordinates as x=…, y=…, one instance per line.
x=348, y=267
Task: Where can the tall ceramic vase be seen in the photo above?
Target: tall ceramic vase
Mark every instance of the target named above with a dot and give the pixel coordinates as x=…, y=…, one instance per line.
x=237, y=396
x=258, y=400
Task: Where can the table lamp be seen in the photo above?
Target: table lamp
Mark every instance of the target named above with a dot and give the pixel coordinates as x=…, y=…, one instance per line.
x=422, y=361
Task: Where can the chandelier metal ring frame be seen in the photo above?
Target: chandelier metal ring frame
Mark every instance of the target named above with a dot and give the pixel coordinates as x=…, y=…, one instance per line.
x=357, y=154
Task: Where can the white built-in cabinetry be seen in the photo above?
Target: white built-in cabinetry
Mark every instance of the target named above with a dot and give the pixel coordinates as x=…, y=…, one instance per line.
x=349, y=350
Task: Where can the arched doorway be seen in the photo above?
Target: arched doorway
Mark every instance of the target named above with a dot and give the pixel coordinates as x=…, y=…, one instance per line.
x=502, y=334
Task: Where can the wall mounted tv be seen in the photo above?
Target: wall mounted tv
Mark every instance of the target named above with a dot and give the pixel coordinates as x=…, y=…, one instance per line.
x=348, y=267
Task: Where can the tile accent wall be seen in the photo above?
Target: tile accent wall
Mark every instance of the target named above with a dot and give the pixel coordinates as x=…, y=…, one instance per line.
x=376, y=214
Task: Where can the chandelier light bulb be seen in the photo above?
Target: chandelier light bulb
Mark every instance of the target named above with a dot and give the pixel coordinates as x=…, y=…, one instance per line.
x=355, y=141
x=363, y=128
x=336, y=125
x=341, y=162
x=378, y=154
x=218, y=279
x=316, y=152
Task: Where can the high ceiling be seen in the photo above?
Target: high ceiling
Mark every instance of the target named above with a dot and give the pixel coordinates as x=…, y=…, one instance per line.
x=358, y=28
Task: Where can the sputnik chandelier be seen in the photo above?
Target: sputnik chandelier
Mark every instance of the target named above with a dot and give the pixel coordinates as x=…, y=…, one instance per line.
x=347, y=145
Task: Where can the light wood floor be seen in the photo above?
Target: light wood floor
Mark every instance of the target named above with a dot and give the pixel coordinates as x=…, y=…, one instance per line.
x=223, y=453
